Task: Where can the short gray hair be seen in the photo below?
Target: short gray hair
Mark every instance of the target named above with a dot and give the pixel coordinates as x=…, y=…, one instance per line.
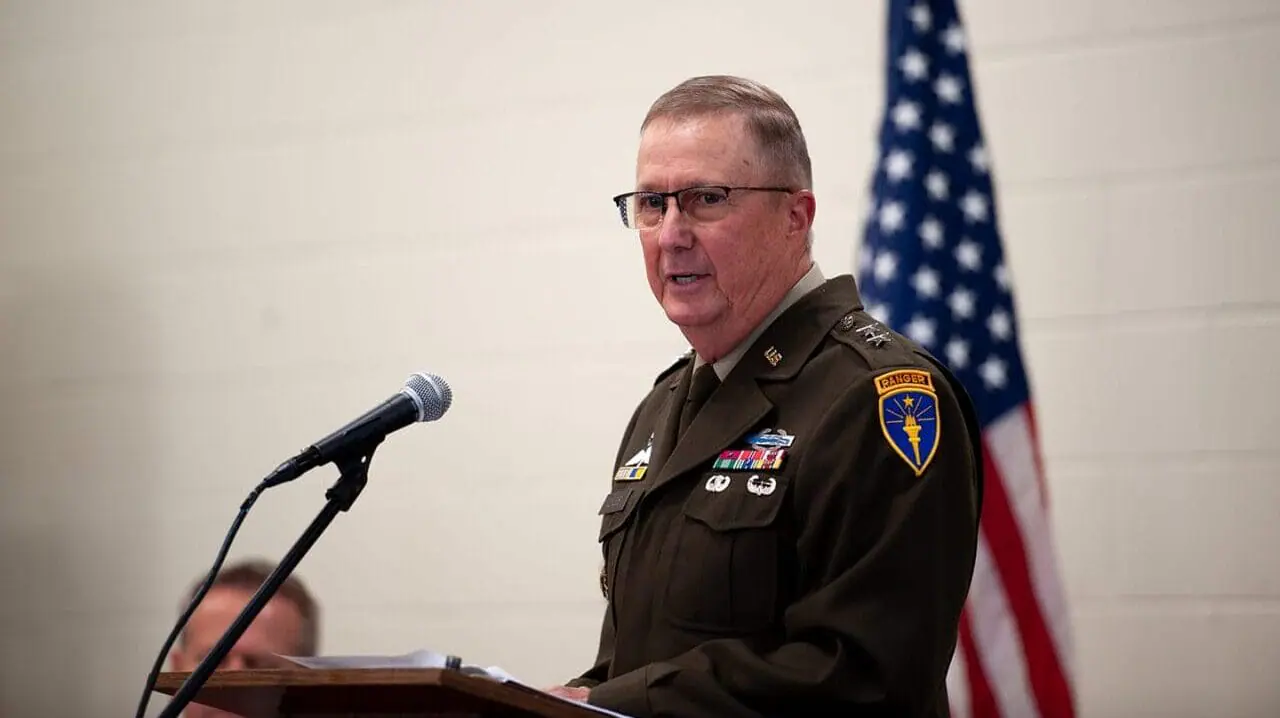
x=768, y=117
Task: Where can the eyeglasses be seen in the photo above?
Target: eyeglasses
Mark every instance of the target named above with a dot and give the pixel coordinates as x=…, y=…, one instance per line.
x=645, y=210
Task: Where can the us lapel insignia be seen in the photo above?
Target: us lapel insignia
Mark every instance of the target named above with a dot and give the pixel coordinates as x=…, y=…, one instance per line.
x=773, y=356
x=909, y=415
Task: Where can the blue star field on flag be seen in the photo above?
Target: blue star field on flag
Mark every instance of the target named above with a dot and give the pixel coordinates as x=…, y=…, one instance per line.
x=931, y=263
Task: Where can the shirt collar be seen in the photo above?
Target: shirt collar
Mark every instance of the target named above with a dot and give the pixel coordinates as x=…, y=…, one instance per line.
x=811, y=280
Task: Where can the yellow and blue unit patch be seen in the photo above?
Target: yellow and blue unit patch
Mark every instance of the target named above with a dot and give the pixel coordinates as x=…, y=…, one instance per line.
x=750, y=460
x=909, y=415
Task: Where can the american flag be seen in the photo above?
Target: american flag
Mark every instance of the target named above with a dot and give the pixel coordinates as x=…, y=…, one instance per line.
x=931, y=266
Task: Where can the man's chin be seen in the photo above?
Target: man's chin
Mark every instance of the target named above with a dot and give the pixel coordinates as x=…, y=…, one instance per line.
x=687, y=315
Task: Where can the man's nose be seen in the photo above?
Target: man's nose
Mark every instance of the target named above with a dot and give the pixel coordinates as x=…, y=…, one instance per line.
x=676, y=231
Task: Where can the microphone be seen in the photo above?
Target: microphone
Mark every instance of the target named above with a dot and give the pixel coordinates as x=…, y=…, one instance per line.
x=425, y=397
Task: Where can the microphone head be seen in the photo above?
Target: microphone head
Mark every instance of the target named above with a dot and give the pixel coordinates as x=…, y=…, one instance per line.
x=430, y=394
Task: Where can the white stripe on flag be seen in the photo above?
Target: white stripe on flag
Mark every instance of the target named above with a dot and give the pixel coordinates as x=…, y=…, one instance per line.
x=996, y=640
x=958, y=686
x=1010, y=442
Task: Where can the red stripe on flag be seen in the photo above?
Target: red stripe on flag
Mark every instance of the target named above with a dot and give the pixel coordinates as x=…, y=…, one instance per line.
x=982, y=702
x=1044, y=672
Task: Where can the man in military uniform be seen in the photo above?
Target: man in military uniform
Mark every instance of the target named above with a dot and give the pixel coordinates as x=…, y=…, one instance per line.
x=792, y=521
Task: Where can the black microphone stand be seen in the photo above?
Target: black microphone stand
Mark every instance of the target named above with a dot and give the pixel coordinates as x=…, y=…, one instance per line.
x=353, y=475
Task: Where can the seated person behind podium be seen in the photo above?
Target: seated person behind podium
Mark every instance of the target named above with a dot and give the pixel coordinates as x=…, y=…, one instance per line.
x=288, y=625
x=802, y=544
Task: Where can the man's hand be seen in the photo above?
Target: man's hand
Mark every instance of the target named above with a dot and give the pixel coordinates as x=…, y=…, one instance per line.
x=573, y=694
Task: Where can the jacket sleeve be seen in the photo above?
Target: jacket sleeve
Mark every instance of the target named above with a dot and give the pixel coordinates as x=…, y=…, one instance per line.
x=604, y=657
x=885, y=560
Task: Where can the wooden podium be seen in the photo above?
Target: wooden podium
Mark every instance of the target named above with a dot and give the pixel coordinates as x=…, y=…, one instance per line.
x=352, y=693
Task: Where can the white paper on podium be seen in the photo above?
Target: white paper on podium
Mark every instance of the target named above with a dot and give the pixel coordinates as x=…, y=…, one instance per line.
x=430, y=659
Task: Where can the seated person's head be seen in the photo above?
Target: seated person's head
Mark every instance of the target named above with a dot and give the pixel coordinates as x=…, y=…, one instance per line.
x=288, y=625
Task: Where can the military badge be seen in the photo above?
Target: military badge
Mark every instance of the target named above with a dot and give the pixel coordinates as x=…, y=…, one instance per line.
x=771, y=439
x=761, y=486
x=874, y=334
x=630, y=473
x=635, y=467
x=750, y=460
x=718, y=483
x=909, y=415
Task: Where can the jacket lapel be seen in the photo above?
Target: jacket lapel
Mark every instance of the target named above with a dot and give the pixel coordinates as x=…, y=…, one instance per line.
x=740, y=403
x=668, y=418
x=734, y=408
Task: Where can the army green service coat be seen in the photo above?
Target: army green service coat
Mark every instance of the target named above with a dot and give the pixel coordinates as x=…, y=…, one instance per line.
x=806, y=547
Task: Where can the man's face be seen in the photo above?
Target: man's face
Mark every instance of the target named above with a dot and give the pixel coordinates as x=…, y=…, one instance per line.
x=278, y=629
x=723, y=276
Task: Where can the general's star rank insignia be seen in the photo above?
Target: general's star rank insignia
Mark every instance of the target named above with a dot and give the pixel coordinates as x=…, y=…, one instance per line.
x=909, y=415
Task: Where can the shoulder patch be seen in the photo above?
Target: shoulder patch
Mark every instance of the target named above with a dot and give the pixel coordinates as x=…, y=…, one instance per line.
x=909, y=417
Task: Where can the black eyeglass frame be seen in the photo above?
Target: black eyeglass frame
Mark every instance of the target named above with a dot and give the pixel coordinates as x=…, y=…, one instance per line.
x=621, y=200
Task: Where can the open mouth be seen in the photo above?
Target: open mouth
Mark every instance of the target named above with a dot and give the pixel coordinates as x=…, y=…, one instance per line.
x=686, y=279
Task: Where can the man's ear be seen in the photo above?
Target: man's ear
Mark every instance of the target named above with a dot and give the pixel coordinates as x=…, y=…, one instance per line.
x=804, y=207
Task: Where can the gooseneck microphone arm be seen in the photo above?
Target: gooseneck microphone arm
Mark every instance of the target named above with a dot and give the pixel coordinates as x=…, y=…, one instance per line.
x=354, y=474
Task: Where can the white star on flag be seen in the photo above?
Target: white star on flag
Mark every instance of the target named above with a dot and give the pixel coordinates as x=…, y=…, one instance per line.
x=969, y=255
x=886, y=266
x=922, y=330
x=962, y=303
x=914, y=65
x=948, y=88
x=1002, y=277
x=1000, y=325
x=921, y=18
x=936, y=183
x=978, y=158
x=957, y=353
x=897, y=166
x=953, y=38
x=926, y=282
x=892, y=215
x=865, y=257
x=931, y=233
x=974, y=206
x=906, y=116
x=880, y=312
x=993, y=372
x=942, y=137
